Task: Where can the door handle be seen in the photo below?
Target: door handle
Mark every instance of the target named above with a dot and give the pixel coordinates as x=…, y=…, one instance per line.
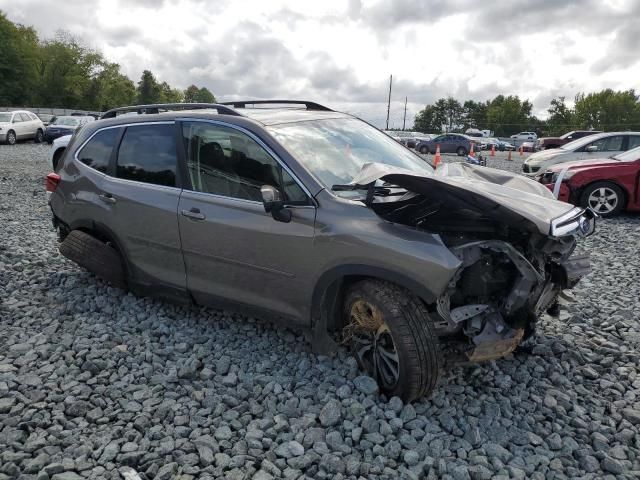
x=193, y=213
x=107, y=198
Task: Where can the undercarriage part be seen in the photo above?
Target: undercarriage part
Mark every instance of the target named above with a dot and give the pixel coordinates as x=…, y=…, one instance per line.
x=574, y=269
x=494, y=341
x=528, y=277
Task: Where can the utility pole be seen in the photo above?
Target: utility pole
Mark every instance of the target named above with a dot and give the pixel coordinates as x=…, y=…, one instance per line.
x=389, y=101
x=404, y=121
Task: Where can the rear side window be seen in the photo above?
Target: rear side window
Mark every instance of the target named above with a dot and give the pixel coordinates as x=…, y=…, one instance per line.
x=97, y=151
x=148, y=154
x=634, y=141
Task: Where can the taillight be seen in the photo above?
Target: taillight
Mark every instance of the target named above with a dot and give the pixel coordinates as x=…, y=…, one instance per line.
x=52, y=181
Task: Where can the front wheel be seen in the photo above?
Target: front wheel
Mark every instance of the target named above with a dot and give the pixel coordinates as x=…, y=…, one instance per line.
x=424, y=149
x=604, y=198
x=390, y=333
x=11, y=137
x=461, y=151
x=39, y=136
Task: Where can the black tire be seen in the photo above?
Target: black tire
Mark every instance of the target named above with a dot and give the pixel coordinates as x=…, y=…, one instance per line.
x=39, y=136
x=408, y=324
x=96, y=256
x=11, y=137
x=614, y=199
x=461, y=151
x=424, y=150
x=56, y=157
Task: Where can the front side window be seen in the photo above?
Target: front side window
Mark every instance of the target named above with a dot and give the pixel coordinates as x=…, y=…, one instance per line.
x=148, y=154
x=224, y=161
x=608, y=144
x=97, y=152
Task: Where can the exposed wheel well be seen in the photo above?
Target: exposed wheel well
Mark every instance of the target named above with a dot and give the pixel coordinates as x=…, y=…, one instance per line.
x=331, y=298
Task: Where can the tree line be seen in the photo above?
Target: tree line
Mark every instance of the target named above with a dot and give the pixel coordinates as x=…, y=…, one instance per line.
x=63, y=72
x=606, y=110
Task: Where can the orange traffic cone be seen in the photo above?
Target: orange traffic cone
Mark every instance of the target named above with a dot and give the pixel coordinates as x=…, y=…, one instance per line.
x=437, y=160
x=521, y=150
x=471, y=152
x=493, y=151
x=509, y=157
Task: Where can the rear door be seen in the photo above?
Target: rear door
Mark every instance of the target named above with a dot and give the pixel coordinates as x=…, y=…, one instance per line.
x=20, y=126
x=232, y=249
x=141, y=197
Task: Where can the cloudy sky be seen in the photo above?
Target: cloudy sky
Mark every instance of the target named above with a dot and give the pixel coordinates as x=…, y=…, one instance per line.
x=341, y=53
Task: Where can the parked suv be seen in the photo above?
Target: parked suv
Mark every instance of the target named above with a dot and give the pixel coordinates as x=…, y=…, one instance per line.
x=317, y=218
x=20, y=125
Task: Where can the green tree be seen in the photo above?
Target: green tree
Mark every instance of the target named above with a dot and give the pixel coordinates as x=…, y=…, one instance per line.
x=474, y=114
x=450, y=112
x=17, y=61
x=194, y=94
x=608, y=110
x=64, y=72
x=509, y=115
x=110, y=88
x=149, y=90
x=427, y=120
x=170, y=95
x=561, y=118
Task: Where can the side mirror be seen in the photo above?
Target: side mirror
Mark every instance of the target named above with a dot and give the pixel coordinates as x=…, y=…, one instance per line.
x=274, y=204
x=591, y=148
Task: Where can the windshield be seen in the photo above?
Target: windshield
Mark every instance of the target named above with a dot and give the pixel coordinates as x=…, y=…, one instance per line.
x=69, y=121
x=5, y=117
x=335, y=150
x=628, y=156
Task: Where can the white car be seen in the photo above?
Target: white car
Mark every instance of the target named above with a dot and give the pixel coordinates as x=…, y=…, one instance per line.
x=20, y=125
x=525, y=136
x=586, y=148
x=57, y=149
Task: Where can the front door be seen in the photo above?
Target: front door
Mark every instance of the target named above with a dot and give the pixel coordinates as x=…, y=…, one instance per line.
x=232, y=249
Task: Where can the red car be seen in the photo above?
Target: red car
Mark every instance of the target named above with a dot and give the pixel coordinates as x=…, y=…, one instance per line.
x=606, y=185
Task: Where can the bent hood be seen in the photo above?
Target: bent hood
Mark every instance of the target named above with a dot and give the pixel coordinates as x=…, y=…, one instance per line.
x=595, y=162
x=507, y=197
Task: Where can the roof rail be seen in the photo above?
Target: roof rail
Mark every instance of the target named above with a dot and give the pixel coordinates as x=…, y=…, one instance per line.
x=163, y=107
x=308, y=105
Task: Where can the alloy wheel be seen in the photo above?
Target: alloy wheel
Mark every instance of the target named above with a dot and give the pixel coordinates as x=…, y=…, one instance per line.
x=372, y=344
x=603, y=200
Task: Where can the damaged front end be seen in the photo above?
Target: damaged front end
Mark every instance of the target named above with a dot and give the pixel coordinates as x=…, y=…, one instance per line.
x=514, y=243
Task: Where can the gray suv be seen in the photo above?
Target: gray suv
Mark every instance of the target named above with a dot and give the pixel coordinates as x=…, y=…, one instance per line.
x=317, y=218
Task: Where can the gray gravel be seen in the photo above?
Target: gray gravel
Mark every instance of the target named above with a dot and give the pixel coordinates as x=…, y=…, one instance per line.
x=96, y=383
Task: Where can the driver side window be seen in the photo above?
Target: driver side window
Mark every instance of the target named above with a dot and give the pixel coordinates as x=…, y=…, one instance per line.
x=224, y=161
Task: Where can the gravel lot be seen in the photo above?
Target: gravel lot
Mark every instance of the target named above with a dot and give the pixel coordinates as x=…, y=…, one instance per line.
x=96, y=383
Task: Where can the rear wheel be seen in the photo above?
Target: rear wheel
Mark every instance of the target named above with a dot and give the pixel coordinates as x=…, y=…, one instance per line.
x=461, y=151
x=389, y=331
x=11, y=137
x=424, y=149
x=605, y=198
x=39, y=136
x=96, y=256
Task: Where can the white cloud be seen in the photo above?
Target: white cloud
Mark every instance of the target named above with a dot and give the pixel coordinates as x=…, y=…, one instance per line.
x=341, y=53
